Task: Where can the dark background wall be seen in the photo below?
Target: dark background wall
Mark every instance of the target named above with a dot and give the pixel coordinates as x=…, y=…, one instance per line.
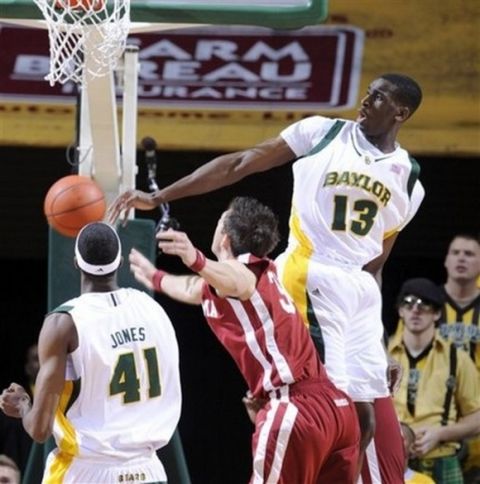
x=214, y=427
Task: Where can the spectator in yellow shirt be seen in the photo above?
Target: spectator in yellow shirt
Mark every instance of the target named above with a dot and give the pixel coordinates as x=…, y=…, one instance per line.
x=460, y=320
x=439, y=395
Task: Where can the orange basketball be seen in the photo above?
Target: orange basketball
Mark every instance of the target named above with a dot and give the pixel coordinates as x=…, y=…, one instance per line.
x=72, y=202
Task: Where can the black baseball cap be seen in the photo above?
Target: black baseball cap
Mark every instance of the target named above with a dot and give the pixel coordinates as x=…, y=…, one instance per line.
x=424, y=289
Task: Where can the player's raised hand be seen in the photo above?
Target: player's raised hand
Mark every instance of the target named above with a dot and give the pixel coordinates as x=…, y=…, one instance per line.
x=142, y=269
x=174, y=242
x=128, y=200
x=15, y=401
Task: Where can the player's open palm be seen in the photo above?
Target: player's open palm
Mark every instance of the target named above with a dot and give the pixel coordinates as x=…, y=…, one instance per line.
x=128, y=200
x=177, y=243
x=142, y=269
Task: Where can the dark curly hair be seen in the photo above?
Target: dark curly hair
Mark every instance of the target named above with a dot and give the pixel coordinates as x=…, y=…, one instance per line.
x=98, y=243
x=251, y=227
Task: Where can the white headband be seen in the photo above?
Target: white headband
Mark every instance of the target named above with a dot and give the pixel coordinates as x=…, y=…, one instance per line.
x=98, y=270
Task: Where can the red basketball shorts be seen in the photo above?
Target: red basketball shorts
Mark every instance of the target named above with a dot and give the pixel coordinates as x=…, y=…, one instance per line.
x=307, y=433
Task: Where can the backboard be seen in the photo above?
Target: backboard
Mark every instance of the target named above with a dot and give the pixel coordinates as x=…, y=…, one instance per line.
x=278, y=14
x=87, y=49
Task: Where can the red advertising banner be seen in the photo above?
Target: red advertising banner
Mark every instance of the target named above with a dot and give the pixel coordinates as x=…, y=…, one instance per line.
x=211, y=67
x=229, y=88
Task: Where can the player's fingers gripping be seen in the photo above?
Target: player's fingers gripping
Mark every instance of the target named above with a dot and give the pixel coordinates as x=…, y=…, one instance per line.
x=170, y=242
x=185, y=248
x=15, y=388
x=11, y=398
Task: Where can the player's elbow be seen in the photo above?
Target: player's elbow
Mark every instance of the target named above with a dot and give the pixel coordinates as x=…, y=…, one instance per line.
x=39, y=434
x=41, y=437
x=38, y=429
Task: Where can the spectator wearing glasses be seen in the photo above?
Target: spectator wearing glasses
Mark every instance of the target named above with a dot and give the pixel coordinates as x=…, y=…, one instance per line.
x=460, y=318
x=439, y=395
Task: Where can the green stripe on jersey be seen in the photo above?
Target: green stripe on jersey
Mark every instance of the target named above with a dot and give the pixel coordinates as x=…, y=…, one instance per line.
x=315, y=330
x=63, y=308
x=331, y=133
x=77, y=385
x=414, y=174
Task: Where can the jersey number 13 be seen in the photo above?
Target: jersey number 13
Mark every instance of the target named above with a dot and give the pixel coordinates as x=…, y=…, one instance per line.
x=366, y=211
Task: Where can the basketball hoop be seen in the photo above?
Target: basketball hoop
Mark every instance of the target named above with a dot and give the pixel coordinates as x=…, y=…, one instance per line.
x=87, y=37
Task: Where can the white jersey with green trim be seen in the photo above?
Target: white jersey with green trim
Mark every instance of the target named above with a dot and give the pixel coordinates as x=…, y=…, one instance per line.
x=122, y=397
x=348, y=196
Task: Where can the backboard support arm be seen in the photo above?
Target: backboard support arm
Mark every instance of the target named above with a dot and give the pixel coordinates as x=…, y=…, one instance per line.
x=101, y=157
x=129, y=120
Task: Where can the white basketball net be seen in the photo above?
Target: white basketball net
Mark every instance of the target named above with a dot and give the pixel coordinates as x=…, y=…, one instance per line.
x=87, y=37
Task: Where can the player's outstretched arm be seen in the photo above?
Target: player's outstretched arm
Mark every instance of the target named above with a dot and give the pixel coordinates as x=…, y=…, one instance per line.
x=186, y=289
x=217, y=173
x=228, y=169
x=228, y=277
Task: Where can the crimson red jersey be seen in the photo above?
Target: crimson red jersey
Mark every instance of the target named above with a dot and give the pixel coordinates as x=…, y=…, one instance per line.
x=265, y=334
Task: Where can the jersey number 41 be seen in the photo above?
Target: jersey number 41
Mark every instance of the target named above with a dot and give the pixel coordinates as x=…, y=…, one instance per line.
x=125, y=376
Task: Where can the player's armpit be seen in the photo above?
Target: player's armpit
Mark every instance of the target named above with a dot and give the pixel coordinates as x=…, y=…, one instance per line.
x=228, y=169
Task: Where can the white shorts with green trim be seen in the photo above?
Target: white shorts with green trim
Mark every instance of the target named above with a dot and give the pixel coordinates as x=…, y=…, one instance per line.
x=68, y=470
x=346, y=304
